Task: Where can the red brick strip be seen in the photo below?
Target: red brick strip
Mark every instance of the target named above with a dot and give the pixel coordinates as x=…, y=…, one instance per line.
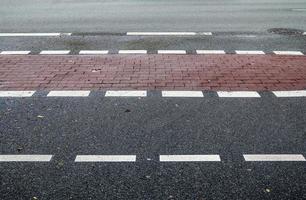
x=153, y=72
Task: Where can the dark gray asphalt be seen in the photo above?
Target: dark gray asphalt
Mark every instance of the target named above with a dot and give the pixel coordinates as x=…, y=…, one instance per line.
x=148, y=127
x=150, y=15
x=229, y=42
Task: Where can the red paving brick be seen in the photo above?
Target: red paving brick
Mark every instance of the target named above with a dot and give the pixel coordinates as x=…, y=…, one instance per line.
x=153, y=72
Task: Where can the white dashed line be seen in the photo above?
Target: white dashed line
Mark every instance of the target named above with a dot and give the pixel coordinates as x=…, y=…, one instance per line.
x=250, y=52
x=82, y=93
x=55, y=52
x=182, y=94
x=126, y=93
x=33, y=34
x=16, y=93
x=171, y=52
x=167, y=33
x=132, y=52
x=15, y=52
x=93, y=52
x=189, y=158
x=274, y=157
x=304, y=33
x=25, y=158
x=210, y=52
x=238, y=94
x=105, y=158
x=298, y=93
x=294, y=53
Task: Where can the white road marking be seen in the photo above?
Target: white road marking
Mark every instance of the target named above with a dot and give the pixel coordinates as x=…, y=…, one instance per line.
x=15, y=52
x=105, y=158
x=295, y=53
x=16, y=93
x=210, y=52
x=182, y=94
x=189, y=158
x=25, y=158
x=274, y=157
x=304, y=33
x=171, y=52
x=54, y=52
x=92, y=52
x=298, y=93
x=250, y=52
x=81, y=93
x=33, y=34
x=126, y=93
x=238, y=94
x=132, y=52
x=167, y=33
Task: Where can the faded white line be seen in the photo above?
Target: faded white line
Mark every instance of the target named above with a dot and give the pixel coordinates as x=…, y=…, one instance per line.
x=15, y=52
x=126, y=93
x=54, y=52
x=182, y=94
x=81, y=93
x=274, y=157
x=189, y=158
x=250, y=52
x=167, y=33
x=92, y=52
x=16, y=93
x=171, y=52
x=299, y=9
x=297, y=93
x=25, y=158
x=210, y=52
x=294, y=53
x=132, y=52
x=238, y=94
x=105, y=158
x=33, y=34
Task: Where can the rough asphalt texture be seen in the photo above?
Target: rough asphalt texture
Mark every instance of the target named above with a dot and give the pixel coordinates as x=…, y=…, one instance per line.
x=148, y=127
x=152, y=15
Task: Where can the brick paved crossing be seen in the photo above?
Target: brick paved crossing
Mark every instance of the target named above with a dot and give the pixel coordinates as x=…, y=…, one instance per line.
x=152, y=72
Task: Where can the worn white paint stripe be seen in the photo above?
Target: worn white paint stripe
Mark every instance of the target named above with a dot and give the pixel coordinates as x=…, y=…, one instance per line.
x=126, y=93
x=15, y=52
x=238, y=94
x=274, y=157
x=298, y=93
x=16, y=93
x=304, y=33
x=168, y=33
x=251, y=52
x=54, y=52
x=105, y=158
x=171, y=52
x=81, y=93
x=210, y=52
x=33, y=34
x=25, y=158
x=132, y=51
x=91, y=52
x=182, y=94
x=297, y=53
x=189, y=158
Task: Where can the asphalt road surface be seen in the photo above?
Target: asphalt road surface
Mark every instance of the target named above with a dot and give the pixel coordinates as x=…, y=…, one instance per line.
x=147, y=128
x=150, y=15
